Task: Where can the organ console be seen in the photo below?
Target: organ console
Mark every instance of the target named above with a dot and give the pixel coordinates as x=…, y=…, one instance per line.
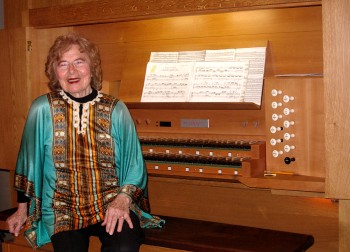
x=281, y=140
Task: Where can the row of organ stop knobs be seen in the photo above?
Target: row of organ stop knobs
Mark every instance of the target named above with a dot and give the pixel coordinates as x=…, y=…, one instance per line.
x=282, y=123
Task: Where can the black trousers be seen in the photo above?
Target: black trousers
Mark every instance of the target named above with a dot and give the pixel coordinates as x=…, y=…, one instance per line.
x=128, y=240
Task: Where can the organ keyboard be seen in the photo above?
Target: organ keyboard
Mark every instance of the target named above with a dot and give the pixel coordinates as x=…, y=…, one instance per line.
x=208, y=158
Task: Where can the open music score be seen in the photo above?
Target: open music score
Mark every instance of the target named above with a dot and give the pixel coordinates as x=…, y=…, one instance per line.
x=229, y=75
x=219, y=82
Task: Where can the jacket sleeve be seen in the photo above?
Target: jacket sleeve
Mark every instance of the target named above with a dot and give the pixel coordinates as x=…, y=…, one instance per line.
x=131, y=168
x=29, y=166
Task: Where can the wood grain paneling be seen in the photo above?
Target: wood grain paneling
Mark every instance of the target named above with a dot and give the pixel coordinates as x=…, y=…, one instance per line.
x=344, y=225
x=235, y=204
x=336, y=37
x=113, y=11
x=5, y=101
x=13, y=13
x=48, y=3
x=336, y=25
x=14, y=102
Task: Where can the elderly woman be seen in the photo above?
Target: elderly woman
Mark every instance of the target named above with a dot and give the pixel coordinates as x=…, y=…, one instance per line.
x=80, y=170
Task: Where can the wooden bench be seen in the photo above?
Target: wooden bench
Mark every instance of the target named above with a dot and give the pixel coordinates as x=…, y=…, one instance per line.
x=204, y=236
x=196, y=235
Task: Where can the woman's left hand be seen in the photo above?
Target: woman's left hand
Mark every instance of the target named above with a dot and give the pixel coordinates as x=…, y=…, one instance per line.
x=118, y=211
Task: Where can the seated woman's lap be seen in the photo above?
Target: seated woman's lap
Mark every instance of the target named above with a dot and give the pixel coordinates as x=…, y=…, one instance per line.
x=128, y=240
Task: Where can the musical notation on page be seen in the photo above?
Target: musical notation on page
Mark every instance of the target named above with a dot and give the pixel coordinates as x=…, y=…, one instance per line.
x=256, y=57
x=227, y=75
x=219, y=81
x=167, y=82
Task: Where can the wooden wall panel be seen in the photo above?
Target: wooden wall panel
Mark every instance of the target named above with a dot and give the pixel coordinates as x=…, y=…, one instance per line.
x=337, y=103
x=45, y=3
x=270, y=21
x=13, y=13
x=336, y=39
x=14, y=102
x=113, y=11
x=213, y=25
x=113, y=58
x=344, y=225
x=5, y=101
x=235, y=204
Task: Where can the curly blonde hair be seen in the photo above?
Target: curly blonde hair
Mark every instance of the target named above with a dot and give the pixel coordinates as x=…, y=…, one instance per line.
x=61, y=45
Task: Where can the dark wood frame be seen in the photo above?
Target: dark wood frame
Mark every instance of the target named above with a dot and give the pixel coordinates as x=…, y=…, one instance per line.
x=95, y=12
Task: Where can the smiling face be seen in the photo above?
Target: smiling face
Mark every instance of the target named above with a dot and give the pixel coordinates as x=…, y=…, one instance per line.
x=73, y=72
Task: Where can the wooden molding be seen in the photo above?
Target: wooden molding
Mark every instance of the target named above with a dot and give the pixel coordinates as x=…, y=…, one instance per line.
x=95, y=12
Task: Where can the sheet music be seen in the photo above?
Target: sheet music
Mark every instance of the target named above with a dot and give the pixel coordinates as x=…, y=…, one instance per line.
x=219, y=81
x=227, y=75
x=191, y=56
x=167, y=82
x=220, y=55
x=256, y=57
x=165, y=57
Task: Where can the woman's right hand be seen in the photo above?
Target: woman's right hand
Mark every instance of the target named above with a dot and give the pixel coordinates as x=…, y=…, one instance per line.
x=17, y=220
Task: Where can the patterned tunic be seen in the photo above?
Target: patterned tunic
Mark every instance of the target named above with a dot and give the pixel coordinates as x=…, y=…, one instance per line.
x=73, y=161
